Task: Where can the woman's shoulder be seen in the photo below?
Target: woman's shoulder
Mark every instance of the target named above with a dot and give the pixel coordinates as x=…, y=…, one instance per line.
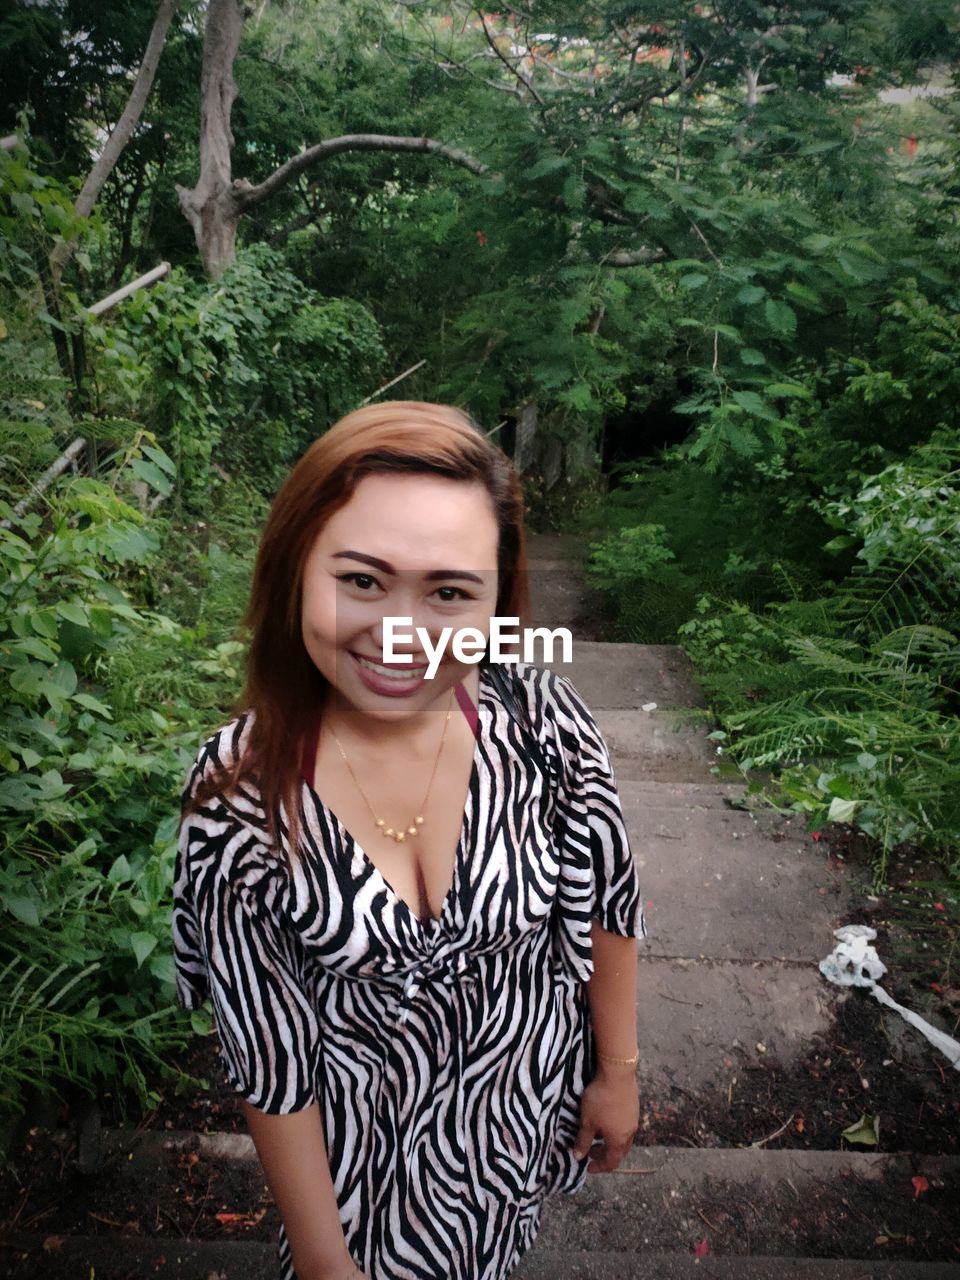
x=550, y=694
x=225, y=831
x=220, y=751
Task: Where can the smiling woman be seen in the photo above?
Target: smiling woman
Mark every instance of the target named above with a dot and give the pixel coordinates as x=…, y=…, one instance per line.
x=411, y=900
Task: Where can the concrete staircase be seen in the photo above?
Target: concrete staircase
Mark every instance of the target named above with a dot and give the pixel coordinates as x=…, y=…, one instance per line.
x=739, y=911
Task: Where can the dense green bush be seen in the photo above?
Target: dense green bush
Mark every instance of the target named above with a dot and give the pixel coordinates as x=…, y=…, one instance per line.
x=850, y=694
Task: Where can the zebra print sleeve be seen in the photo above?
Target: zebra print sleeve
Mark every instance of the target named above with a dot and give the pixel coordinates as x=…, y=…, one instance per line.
x=598, y=874
x=229, y=947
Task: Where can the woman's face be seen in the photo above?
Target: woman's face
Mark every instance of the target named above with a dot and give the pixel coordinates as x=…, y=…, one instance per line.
x=414, y=546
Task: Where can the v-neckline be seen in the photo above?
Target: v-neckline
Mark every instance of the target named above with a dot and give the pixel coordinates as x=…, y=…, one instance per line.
x=354, y=848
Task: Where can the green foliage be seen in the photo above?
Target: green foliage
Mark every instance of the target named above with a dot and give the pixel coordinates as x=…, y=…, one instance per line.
x=244, y=373
x=852, y=696
x=99, y=729
x=782, y=361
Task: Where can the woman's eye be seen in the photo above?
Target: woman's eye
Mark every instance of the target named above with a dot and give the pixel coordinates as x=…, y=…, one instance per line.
x=361, y=580
x=458, y=594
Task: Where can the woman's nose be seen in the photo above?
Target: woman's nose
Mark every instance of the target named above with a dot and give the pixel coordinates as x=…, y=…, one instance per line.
x=404, y=634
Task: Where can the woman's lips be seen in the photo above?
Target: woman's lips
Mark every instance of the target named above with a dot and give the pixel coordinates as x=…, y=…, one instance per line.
x=392, y=686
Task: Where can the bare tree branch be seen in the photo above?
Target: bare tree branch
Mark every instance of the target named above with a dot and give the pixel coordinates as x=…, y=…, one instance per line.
x=527, y=84
x=244, y=196
x=122, y=130
x=633, y=258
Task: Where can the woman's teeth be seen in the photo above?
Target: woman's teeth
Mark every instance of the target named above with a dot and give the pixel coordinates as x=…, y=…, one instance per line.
x=391, y=673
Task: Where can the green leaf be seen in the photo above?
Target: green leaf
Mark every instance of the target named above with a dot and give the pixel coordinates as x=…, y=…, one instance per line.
x=162, y=967
x=152, y=475
x=751, y=293
x=546, y=165
x=750, y=355
x=787, y=389
x=694, y=280
x=164, y=462
x=866, y=1131
x=142, y=944
x=841, y=810
x=780, y=317
x=93, y=704
x=841, y=543
x=73, y=611
x=201, y=1022
x=120, y=872
x=21, y=908
x=44, y=623
x=753, y=404
x=802, y=294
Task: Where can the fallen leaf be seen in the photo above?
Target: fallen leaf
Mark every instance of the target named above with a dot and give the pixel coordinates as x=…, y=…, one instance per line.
x=865, y=1131
x=240, y=1219
x=701, y=1248
x=920, y=1185
x=52, y=1242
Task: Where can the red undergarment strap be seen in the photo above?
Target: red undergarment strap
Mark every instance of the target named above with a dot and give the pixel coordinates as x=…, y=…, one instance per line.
x=308, y=763
x=468, y=709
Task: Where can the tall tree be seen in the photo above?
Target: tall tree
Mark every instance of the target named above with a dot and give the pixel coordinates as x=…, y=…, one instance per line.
x=215, y=205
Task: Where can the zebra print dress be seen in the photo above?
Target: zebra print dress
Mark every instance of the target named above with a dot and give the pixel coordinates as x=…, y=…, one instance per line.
x=448, y=1057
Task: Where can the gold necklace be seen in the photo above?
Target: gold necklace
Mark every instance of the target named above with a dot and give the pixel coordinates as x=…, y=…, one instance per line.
x=400, y=834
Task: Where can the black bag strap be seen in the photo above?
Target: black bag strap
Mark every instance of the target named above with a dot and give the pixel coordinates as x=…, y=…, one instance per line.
x=514, y=699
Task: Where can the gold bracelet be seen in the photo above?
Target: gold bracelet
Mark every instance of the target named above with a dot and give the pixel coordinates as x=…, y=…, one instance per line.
x=626, y=1062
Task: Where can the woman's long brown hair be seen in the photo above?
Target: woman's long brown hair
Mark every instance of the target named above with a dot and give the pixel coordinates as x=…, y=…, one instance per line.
x=283, y=688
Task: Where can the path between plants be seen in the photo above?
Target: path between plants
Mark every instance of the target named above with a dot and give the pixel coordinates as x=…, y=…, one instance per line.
x=751, y=1065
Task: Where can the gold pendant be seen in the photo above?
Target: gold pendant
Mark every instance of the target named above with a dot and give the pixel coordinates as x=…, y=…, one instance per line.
x=400, y=835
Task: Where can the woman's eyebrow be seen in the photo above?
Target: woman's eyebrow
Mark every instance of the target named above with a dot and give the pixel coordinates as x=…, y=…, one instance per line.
x=435, y=575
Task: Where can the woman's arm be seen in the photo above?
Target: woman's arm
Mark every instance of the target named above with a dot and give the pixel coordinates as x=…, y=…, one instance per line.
x=612, y=995
x=293, y=1151
x=610, y=1106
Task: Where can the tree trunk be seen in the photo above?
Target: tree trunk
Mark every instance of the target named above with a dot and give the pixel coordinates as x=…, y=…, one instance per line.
x=208, y=207
x=524, y=450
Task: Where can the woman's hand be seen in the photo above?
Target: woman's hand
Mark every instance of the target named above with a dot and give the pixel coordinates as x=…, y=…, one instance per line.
x=610, y=1109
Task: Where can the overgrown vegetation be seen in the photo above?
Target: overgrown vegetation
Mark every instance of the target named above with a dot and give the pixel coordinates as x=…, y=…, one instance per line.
x=688, y=264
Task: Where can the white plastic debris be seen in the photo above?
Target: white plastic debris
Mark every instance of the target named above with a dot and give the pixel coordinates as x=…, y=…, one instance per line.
x=649, y=706
x=855, y=963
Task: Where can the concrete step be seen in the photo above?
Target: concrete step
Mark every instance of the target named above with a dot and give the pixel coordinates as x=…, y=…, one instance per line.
x=759, y=1204
x=625, y=676
x=699, y=1022
x=724, y=885
x=547, y=1264
x=568, y=549
x=109, y=1257
x=663, y=794
x=117, y=1258
x=657, y=746
x=758, y=1213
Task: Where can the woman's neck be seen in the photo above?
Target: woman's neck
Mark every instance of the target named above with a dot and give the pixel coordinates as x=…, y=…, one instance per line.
x=415, y=734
